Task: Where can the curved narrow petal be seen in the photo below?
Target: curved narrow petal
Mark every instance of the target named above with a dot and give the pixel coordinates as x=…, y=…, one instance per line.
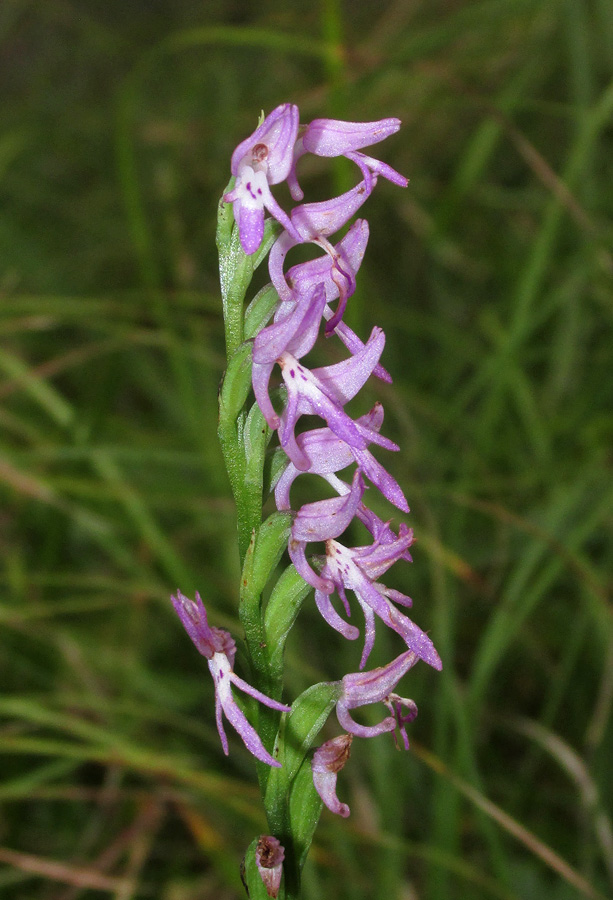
x=258, y=695
x=368, y=163
x=276, y=259
x=366, y=731
x=382, y=479
x=369, y=633
x=415, y=639
x=328, y=612
x=219, y=722
x=280, y=215
x=354, y=344
x=247, y=733
x=284, y=485
x=260, y=380
x=298, y=557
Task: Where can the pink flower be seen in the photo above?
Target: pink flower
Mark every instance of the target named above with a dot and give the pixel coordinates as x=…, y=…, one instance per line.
x=356, y=569
x=219, y=649
x=376, y=686
x=260, y=160
x=331, y=137
x=324, y=392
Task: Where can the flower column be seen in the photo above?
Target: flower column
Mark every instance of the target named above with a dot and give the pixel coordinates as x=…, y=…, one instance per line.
x=274, y=333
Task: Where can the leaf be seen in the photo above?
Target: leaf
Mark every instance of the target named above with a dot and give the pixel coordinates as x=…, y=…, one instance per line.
x=281, y=611
x=260, y=310
x=256, y=436
x=236, y=384
x=265, y=552
x=305, y=807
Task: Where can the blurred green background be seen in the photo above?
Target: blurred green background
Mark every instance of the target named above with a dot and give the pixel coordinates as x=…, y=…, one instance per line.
x=492, y=275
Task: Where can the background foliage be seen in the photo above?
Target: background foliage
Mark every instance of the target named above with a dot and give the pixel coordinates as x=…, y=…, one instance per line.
x=492, y=275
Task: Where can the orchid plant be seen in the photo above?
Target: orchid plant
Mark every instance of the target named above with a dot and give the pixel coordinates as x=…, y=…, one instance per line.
x=279, y=328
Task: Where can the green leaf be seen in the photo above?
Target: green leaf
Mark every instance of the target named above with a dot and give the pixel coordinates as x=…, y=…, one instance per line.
x=276, y=464
x=260, y=310
x=256, y=436
x=236, y=384
x=305, y=807
x=297, y=734
x=235, y=274
x=263, y=554
x=262, y=557
x=270, y=542
x=304, y=721
x=225, y=220
x=281, y=611
x=236, y=269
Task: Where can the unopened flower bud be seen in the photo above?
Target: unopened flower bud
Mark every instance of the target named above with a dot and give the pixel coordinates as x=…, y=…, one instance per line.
x=269, y=856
